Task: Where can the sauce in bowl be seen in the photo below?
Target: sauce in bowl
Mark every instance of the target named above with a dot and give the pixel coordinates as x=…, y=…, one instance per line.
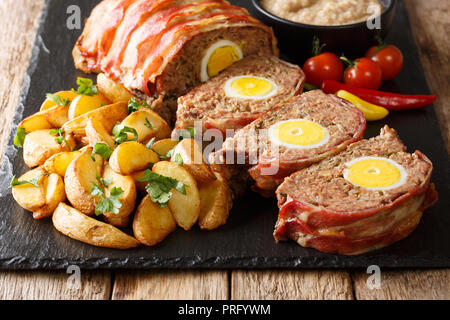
x=324, y=12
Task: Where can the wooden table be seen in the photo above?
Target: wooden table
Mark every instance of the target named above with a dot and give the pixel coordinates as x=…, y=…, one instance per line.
x=431, y=26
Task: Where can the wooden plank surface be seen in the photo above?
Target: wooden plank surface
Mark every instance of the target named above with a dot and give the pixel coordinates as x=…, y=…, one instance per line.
x=291, y=285
x=430, y=24
x=173, y=285
x=20, y=285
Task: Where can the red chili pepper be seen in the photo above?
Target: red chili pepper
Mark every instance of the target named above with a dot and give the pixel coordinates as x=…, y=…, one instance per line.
x=390, y=101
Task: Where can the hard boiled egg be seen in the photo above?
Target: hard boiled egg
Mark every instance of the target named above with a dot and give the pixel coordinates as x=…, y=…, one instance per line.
x=250, y=87
x=218, y=57
x=375, y=173
x=298, y=133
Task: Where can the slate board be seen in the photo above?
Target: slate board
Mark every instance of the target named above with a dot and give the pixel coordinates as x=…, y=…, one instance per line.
x=246, y=240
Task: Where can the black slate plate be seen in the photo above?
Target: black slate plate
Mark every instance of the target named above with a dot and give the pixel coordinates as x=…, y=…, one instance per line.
x=246, y=240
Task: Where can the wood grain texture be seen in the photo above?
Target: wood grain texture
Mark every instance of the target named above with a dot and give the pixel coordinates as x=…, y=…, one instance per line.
x=16, y=40
x=291, y=285
x=20, y=285
x=405, y=285
x=173, y=285
x=430, y=23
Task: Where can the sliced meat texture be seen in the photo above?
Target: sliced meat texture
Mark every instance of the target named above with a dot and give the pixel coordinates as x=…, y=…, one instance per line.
x=217, y=106
x=140, y=43
x=321, y=207
x=269, y=162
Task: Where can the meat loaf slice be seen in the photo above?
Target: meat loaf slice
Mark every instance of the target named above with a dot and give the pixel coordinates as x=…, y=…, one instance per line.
x=213, y=106
x=267, y=163
x=321, y=207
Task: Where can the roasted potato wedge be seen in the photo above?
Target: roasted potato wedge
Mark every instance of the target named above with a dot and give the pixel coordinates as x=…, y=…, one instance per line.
x=37, y=121
x=54, y=195
x=185, y=208
x=28, y=196
x=76, y=225
x=64, y=95
x=83, y=104
x=40, y=145
x=128, y=199
x=131, y=157
x=57, y=116
x=192, y=157
x=59, y=162
x=112, y=90
x=152, y=224
x=215, y=203
x=80, y=176
x=140, y=186
x=96, y=133
x=148, y=124
x=108, y=115
x=162, y=147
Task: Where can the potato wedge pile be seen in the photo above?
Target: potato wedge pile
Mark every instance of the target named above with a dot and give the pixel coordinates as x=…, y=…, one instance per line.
x=101, y=160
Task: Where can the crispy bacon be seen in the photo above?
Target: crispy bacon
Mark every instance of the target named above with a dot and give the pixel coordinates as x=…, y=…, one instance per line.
x=133, y=41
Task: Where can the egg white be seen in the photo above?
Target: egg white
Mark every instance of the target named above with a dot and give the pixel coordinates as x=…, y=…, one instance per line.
x=204, y=76
x=403, y=173
x=229, y=92
x=275, y=140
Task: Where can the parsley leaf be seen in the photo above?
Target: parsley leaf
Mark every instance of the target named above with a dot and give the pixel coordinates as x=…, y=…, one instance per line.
x=103, y=150
x=107, y=204
x=188, y=133
x=34, y=182
x=148, y=124
x=104, y=182
x=159, y=187
x=60, y=139
x=120, y=133
x=19, y=137
x=57, y=99
x=178, y=159
x=85, y=87
x=134, y=105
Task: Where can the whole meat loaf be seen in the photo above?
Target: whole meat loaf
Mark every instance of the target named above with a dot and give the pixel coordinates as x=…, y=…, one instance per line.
x=160, y=49
x=240, y=94
x=365, y=198
x=299, y=132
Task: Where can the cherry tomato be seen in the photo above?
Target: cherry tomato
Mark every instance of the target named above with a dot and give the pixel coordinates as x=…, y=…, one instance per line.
x=325, y=66
x=389, y=58
x=363, y=73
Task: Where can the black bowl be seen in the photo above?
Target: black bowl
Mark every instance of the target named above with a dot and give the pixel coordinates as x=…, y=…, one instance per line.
x=353, y=40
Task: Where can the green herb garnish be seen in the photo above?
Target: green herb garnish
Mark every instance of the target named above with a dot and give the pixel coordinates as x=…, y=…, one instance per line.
x=103, y=150
x=177, y=159
x=148, y=124
x=60, y=139
x=16, y=182
x=150, y=144
x=85, y=87
x=134, y=105
x=159, y=187
x=19, y=138
x=57, y=99
x=120, y=133
x=188, y=133
x=107, y=204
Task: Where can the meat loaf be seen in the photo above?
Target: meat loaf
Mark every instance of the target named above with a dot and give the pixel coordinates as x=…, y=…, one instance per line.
x=155, y=48
x=331, y=209
x=269, y=162
x=215, y=107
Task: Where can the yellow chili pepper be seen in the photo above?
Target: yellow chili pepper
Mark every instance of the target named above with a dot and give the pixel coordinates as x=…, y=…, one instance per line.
x=371, y=111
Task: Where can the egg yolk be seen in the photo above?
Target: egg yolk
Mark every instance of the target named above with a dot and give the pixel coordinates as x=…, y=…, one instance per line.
x=251, y=86
x=299, y=133
x=373, y=173
x=222, y=58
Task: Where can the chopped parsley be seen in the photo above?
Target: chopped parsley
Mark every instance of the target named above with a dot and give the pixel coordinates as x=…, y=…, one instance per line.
x=103, y=150
x=178, y=159
x=134, y=105
x=148, y=124
x=57, y=99
x=16, y=182
x=120, y=133
x=106, y=204
x=19, y=138
x=60, y=139
x=159, y=187
x=85, y=87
